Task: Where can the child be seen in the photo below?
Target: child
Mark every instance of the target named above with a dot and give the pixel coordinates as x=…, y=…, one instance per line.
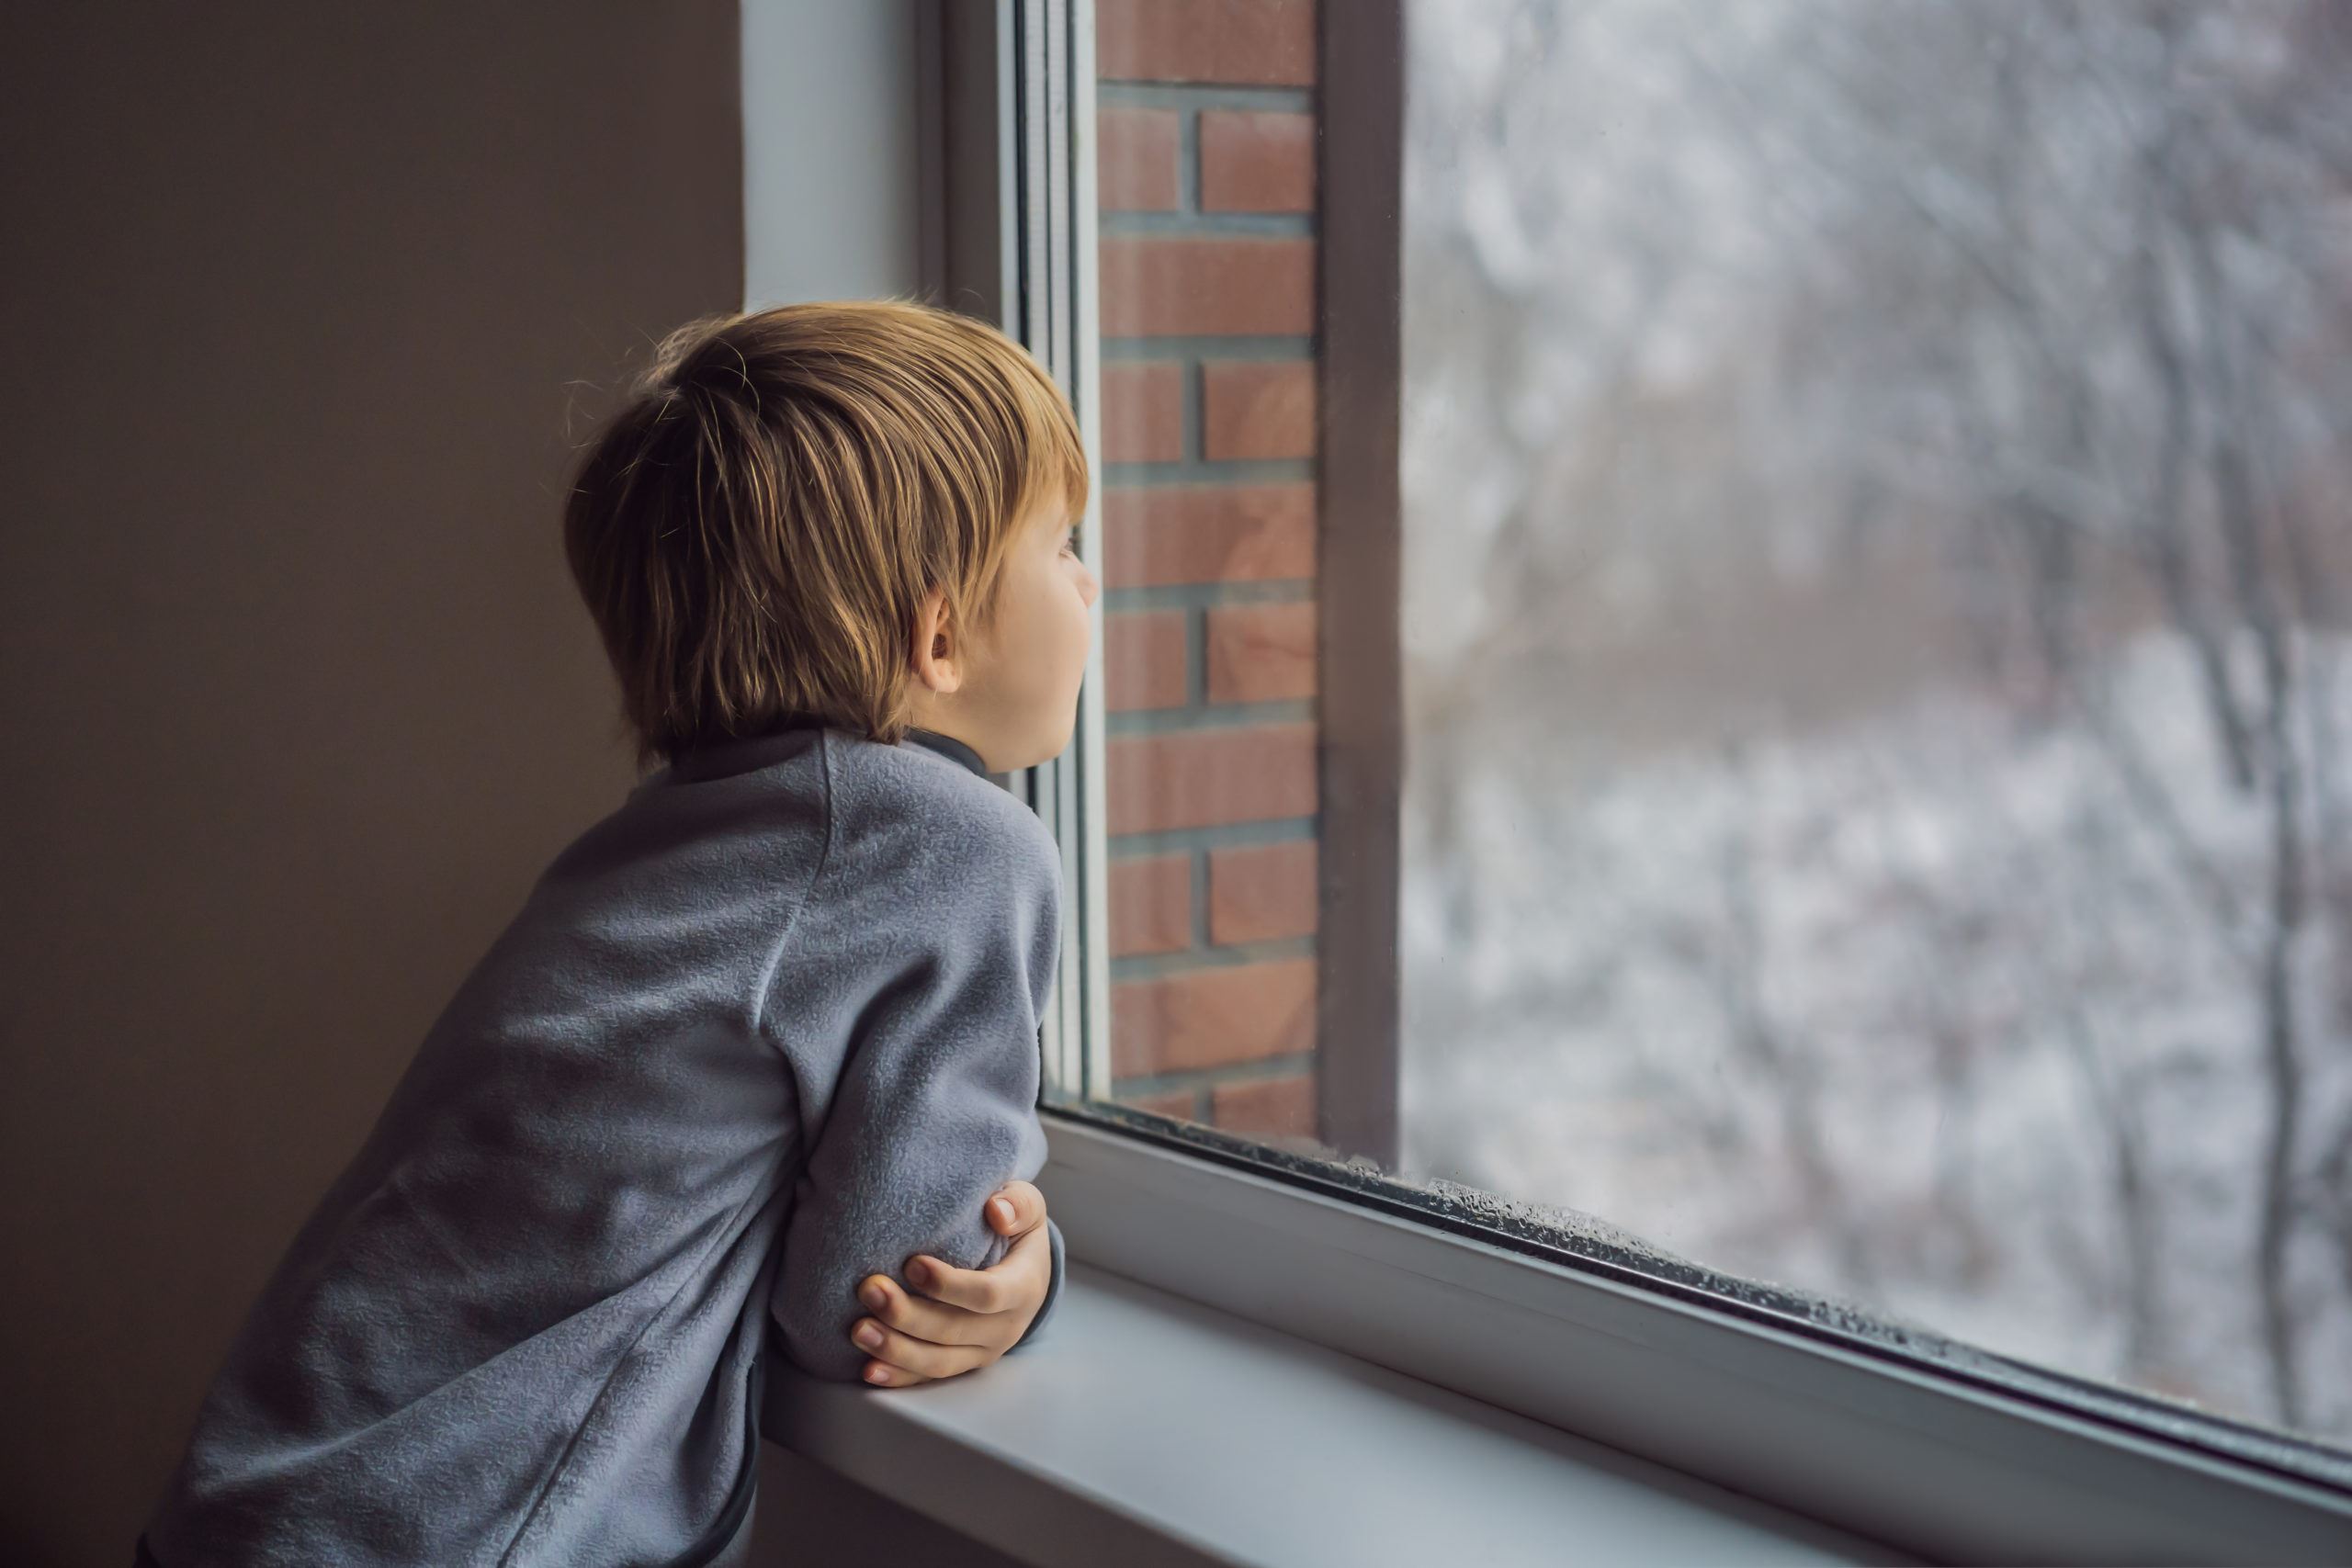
x=764, y=1033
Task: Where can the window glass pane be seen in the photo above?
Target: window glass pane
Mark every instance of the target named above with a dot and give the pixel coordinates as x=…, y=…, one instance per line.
x=1868, y=614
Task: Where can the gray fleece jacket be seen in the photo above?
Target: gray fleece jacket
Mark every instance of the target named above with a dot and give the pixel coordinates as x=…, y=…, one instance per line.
x=768, y=1027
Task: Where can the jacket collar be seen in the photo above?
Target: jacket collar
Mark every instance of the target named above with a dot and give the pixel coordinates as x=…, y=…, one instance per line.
x=726, y=756
x=949, y=746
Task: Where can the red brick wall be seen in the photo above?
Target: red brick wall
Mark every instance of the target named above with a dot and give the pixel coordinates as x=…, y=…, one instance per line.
x=1206, y=180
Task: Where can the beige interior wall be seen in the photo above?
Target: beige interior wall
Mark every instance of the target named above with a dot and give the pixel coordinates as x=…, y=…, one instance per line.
x=294, y=698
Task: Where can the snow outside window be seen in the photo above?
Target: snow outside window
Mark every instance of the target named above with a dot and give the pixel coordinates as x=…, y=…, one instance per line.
x=1869, y=538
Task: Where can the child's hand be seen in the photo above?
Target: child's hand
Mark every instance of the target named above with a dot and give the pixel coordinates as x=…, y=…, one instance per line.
x=975, y=1315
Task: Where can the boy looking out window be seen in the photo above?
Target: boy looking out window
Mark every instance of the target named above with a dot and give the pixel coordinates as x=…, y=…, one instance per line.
x=760, y=1039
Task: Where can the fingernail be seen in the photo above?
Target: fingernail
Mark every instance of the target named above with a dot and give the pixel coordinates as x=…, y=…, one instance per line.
x=1004, y=1210
x=868, y=1335
x=877, y=1374
x=873, y=1299
x=918, y=1271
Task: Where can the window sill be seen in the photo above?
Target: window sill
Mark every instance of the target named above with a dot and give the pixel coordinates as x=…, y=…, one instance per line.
x=1144, y=1428
x=1944, y=1467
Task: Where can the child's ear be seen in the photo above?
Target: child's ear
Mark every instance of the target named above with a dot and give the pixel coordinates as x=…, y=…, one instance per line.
x=936, y=665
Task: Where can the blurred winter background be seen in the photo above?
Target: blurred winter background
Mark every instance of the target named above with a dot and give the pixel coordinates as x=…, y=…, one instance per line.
x=1878, y=552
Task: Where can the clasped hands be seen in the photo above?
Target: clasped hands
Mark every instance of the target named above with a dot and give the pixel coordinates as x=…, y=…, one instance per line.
x=958, y=1320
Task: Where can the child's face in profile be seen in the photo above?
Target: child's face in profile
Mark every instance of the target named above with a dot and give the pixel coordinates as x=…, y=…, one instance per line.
x=1016, y=703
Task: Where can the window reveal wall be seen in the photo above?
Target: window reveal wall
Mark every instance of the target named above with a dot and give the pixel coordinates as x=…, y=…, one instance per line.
x=1250, y=174
x=1207, y=193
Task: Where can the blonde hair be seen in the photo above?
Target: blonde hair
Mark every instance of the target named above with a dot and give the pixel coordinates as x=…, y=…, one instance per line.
x=756, y=528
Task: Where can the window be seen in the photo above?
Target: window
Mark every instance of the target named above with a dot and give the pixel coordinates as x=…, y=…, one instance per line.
x=1877, y=545
x=1723, y=650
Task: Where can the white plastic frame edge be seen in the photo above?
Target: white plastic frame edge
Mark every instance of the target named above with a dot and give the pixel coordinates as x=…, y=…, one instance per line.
x=1903, y=1455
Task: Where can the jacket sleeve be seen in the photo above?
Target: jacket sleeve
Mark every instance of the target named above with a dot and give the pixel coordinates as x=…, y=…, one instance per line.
x=1053, y=1291
x=934, y=1105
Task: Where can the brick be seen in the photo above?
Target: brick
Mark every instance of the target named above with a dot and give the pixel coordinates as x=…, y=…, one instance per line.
x=1154, y=286
x=1279, y=1106
x=1181, y=1103
x=1262, y=893
x=1143, y=413
x=1151, y=905
x=1258, y=409
x=1253, y=162
x=1134, y=161
x=1145, y=660
x=1212, y=1018
x=1261, y=653
x=1206, y=778
x=1267, y=43
x=1157, y=536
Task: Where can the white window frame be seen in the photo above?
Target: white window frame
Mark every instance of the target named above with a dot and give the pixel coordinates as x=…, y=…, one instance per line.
x=1946, y=1465
x=1009, y=173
